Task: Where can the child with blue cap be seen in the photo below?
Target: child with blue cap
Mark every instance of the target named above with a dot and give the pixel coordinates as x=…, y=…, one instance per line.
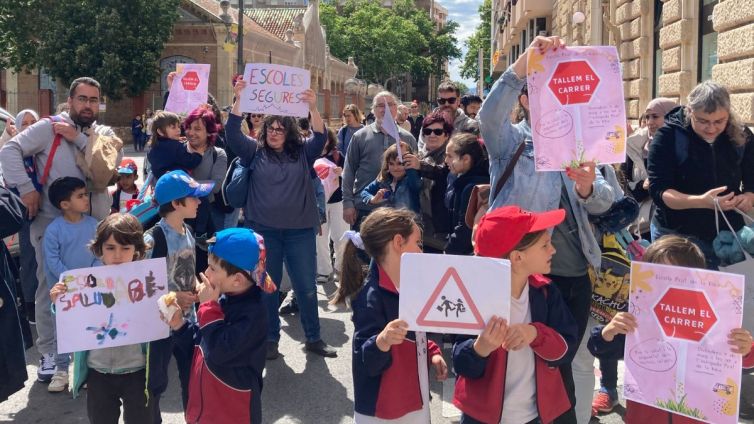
x=231, y=331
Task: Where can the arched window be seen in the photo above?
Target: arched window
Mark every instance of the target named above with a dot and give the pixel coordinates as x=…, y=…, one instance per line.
x=167, y=65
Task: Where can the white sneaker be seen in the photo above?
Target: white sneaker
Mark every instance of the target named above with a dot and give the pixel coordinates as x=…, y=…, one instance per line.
x=59, y=382
x=46, y=368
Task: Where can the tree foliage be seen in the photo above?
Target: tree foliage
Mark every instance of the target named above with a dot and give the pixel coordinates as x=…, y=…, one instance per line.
x=116, y=42
x=480, y=39
x=462, y=87
x=387, y=42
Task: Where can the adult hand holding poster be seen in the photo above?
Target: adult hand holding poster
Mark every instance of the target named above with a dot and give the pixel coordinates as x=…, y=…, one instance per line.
x=576, y=107
x=189, y=89
x=678, y=358
x=109, y=306
x=275, y=90
x=453, y=294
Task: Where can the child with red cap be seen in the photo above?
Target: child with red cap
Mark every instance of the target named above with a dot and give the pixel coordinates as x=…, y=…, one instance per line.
x=125, y=188
x=509, y=374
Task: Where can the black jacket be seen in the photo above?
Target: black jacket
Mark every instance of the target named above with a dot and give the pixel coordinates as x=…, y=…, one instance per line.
x=170, y=155
x=435, y=215
x=459, y=241
x=679, y=159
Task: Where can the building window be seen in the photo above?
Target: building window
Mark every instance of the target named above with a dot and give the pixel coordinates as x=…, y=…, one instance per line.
x=657, y=64
x=708, y=38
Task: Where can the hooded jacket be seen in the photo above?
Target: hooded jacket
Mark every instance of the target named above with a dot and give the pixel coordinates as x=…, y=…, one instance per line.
x=459, y=241
x=680, y=160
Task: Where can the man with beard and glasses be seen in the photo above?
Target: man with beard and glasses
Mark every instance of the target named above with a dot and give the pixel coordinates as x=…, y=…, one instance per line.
x=37, y=141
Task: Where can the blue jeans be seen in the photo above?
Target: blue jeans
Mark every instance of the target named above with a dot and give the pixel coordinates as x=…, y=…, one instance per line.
x=298, y=248
x=711, y=259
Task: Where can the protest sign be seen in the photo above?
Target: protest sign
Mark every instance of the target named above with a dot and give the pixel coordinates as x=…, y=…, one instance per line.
x=391, y=128
x=576, y=107
x=453, y=294
x=189, y=89
x=678, y=359
x=275, y=90
x=325, y=170
x=109, y=306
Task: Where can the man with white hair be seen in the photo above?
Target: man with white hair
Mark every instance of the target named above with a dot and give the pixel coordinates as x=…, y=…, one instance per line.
x=364, y=156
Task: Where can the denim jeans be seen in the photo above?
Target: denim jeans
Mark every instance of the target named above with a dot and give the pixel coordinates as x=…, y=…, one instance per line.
x=298, y=248
x=711, y=259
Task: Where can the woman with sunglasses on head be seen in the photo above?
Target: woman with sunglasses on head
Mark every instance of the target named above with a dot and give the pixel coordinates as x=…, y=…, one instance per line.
x=282, y=208
x=255, y=122
x=702, y=156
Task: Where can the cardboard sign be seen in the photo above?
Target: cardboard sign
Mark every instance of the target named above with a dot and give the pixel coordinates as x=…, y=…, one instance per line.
x=453, y=294
x=189, y=89
x=109, y=306
x=679, y=359
x=576, y=105
x=275, y=90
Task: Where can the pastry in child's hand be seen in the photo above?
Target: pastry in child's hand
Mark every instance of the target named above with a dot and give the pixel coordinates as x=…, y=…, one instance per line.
x=168, y=304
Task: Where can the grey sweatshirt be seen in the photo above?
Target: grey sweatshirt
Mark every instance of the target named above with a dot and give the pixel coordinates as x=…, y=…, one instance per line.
x=37, y=141
x=364, y=159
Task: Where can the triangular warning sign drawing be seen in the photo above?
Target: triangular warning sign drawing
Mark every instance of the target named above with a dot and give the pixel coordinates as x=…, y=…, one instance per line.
x=448, y=305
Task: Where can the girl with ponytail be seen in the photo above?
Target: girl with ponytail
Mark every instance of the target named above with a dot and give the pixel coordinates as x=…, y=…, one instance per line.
x=387, y=358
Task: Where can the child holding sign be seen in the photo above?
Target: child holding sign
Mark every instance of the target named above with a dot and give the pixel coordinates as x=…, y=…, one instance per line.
x=229, y=337
x=389, y=376
x=396, y=185
x=115, y=374
x=608, y=341
x=509, y=372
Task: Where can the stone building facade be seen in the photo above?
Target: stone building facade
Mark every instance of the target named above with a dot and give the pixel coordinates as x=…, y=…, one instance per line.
x=666, y=47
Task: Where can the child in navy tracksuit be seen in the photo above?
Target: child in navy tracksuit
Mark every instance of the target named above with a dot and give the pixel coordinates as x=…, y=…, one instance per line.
x=509, y=373
x=166, y=151
x=396, y=186
x=386, y=356
x=229, y=338
x=608, y=341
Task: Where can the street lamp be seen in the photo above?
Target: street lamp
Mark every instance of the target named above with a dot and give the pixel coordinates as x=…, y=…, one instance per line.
x=228, y=20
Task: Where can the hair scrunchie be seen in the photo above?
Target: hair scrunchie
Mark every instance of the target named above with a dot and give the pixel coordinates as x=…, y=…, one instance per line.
x=355, y=239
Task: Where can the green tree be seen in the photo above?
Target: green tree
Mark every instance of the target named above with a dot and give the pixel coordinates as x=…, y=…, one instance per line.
x=462, y=87
x=116, y=42
x=387, y=42
x=480, y=39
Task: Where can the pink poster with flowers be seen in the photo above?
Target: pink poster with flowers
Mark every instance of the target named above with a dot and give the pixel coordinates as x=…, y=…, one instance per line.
x=576, y=107
x=678, y=359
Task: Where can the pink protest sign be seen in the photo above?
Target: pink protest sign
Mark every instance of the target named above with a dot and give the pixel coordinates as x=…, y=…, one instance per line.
x=679, y=359
x=576, y=107
x=275, y=90
x=189, y=89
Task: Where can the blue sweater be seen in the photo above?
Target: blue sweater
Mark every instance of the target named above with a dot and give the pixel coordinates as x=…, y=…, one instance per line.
x=170, y=155
x=66, y=246
x=405, y=195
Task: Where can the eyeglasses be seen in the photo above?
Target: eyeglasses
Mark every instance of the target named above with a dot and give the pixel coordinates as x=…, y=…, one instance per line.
x=257, y=116
x=450, y=100
x=382, y=105
x=435, y=131
x=276, y=130
x=90, y=100
x=706, y=123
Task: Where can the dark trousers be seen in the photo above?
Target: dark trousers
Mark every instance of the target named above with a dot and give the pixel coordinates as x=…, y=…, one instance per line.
x=106, y=392
x=577, y=294
x=609, y=371
x=161, y=351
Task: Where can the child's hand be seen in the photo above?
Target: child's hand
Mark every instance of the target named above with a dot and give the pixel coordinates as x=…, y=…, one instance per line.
x=441, y=368
x=410, y=161
x=207, y=291
x=57, y=290
x=338, y=171
x=622, y=323
x=519, y=336
x=492, y=337
x=740, y=341
x=394, y=333
x=379, y=197
x=186, y=299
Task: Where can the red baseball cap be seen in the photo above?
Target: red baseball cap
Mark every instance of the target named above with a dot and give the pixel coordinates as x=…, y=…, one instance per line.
x=502, y=229
x=127, y=166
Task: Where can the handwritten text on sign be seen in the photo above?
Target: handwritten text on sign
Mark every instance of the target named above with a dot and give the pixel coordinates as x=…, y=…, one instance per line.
x=453, y=294
x=275, y=90
x=189, y=89
x=111, y=306
x=679, y=359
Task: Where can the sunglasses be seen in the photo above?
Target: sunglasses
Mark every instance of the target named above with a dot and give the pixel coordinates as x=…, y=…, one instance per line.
x=435, y=131
x=257, y=116
x=449, y=100
x=276, y=130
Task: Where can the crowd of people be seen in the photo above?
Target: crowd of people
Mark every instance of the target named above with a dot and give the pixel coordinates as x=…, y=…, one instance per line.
x=460, y=180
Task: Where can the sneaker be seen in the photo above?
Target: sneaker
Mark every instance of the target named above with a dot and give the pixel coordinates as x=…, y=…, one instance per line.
x=59, y=382
x=603, y=402
x=272, y=351
x=289, y=308
x=321, y=348
x=323, y=279
x=46, y=368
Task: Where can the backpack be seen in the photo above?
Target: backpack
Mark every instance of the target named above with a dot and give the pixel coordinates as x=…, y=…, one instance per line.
x=235, y=188
x=143, y=208
x=159, y=242
x=115, y=206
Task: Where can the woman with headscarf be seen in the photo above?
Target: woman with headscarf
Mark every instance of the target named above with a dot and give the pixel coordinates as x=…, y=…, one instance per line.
x=635, y=167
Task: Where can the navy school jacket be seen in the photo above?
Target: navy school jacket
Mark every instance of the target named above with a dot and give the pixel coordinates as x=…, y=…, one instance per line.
x=480, y=386
x=386, y=384
x=229, y=344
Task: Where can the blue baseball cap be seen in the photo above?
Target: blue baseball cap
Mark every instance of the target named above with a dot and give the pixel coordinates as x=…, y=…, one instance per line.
x=238, y=246
x=178, y=184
